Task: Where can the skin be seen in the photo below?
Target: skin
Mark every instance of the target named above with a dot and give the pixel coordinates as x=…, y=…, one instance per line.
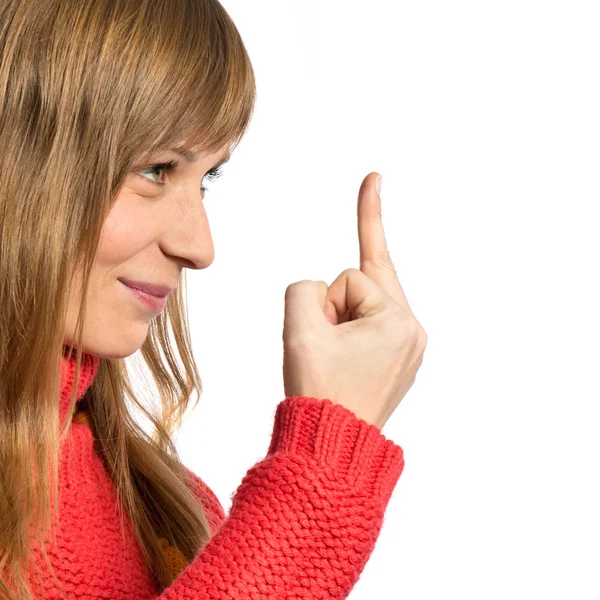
x=151, y=233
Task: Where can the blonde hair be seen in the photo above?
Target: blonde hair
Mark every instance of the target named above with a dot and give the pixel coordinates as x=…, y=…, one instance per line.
x=85, y=88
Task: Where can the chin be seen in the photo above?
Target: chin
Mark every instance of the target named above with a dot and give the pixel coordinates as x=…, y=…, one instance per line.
x=108, y=348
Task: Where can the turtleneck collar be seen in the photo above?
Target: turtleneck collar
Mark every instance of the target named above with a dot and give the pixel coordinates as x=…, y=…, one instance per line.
x=87, y=372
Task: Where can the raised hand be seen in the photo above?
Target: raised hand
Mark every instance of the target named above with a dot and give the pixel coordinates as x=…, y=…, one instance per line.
x=355, y=342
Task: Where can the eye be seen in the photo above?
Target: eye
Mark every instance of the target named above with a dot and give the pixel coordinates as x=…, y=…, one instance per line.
x=168, y=167
x=212, y=175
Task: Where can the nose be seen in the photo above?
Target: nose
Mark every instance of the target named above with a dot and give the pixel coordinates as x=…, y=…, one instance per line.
x=188, y=236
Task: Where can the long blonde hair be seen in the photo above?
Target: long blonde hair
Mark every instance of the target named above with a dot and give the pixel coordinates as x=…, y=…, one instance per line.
x=86, y=86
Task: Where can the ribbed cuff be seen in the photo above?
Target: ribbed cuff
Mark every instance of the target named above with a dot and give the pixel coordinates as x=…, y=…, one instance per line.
x=352, y=449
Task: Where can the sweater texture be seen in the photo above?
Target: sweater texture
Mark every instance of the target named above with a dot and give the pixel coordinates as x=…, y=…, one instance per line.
x=302, y=524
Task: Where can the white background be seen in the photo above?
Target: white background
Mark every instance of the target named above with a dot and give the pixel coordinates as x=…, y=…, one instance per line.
x=483, y=119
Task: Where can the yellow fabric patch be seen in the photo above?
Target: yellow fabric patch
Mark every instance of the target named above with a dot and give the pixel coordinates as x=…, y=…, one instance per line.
x=175, y=558
x=84, y=417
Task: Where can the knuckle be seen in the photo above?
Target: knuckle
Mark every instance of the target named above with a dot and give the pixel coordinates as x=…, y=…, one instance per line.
x=422, y=338
x=295, y=287
x=384, y=259
x=289, y=289
x=410, y=330
x=419, y=362
x=297, y=284
x=415, y=331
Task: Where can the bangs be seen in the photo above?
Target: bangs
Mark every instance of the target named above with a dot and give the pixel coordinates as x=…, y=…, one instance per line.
x=193, y=78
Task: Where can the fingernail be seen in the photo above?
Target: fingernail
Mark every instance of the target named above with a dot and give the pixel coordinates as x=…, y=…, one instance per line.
x=378, y=184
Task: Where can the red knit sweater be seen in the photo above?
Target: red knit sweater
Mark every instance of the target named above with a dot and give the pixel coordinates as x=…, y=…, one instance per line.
x=302, y=524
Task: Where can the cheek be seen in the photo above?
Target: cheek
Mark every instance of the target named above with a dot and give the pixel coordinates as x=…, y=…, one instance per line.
x=122, y=234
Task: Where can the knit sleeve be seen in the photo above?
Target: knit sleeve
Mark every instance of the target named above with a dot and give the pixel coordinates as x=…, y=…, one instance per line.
x=305, y=519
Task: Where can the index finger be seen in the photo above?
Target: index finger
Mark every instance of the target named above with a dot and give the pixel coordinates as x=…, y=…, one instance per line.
x=375, y=259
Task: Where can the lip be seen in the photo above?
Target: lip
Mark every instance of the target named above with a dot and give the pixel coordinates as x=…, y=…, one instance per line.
x=150, y=302
x=157, y=290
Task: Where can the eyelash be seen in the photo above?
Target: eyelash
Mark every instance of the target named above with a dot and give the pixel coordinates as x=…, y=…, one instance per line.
x=168, y=167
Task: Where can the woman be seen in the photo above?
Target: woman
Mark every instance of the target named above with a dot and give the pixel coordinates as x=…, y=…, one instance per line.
x=112, y=113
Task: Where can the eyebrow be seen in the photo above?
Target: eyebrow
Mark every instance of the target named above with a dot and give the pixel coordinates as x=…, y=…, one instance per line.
x=193, y=156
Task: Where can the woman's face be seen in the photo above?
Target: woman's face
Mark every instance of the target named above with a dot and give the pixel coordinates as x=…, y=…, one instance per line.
x=152, y=232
